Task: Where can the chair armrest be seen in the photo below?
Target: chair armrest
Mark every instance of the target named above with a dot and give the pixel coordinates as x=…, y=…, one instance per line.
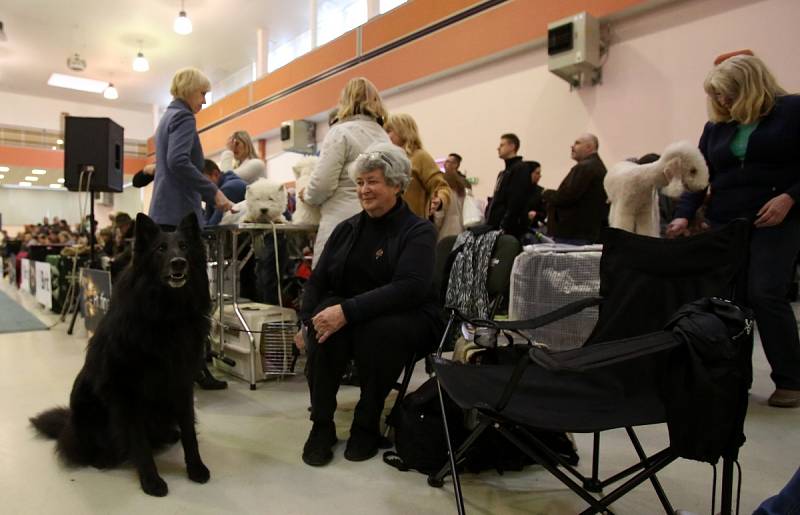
x=603, y=354
x=548, y=318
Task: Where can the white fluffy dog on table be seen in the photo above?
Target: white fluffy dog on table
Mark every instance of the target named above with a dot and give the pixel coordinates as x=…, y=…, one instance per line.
x=304, y=213
x=264, y=202
x=632, y=188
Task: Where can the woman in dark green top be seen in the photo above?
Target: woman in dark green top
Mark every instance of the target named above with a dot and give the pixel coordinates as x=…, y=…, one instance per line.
x=750, y=144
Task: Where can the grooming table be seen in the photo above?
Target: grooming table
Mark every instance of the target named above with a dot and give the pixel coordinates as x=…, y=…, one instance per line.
x=230, y=236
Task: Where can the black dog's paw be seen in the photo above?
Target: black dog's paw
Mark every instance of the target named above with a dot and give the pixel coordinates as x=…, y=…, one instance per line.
x=198, y=472
x=154, y=486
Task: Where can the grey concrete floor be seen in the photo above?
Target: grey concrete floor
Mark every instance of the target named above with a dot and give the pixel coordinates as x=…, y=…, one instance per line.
x=251, y=441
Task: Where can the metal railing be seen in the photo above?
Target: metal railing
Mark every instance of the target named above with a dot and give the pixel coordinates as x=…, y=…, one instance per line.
x=49, y=139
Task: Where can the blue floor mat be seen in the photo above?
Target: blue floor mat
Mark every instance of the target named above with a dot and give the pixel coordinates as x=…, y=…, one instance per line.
x=16, y=319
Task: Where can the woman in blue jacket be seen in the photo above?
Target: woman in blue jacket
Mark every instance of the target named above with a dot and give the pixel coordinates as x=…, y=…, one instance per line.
x=750, y=145
x=180, y=184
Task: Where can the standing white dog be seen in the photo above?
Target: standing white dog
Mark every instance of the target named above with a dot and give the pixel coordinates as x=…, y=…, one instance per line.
x=304, y=213
x=632, y=188
x=264, y=202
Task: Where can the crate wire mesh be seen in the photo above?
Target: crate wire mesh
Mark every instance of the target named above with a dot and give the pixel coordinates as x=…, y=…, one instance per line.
x=277, y=356
x=543, y=280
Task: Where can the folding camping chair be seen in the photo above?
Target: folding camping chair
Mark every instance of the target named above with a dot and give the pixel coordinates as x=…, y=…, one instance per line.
x=615, y=384
x=498, y=279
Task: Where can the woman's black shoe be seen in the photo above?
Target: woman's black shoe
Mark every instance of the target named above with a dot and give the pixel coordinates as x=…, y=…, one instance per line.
x=361, y=446
x=206, y=381
x=318, y=448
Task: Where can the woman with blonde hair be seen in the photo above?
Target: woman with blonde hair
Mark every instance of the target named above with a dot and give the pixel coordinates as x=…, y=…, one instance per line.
x=750, y=143
x=240, y=156
x=360, y=114
x=180, y=185
x=428, y=192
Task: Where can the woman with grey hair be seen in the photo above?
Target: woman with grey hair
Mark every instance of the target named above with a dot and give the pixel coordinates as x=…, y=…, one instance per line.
x=371, y=298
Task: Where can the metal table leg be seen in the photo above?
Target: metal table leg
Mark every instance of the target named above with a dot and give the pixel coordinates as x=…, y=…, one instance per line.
x=235, y=265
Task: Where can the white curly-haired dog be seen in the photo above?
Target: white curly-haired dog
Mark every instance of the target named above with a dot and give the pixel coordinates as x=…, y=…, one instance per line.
x=264, y=202
x=632, y=188
x=304, y=213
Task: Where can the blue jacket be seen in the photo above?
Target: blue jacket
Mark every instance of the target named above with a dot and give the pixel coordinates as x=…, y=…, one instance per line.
x=233, y=187
x=770, y=166
x=179, y=184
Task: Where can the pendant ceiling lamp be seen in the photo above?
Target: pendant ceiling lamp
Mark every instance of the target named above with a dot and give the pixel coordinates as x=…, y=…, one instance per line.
x=140, y=63
x=182, y=24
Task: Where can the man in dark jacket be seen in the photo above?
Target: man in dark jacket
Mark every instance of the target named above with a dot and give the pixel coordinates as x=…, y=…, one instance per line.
x=228, y=183
x=578, y=209
x=508, y=210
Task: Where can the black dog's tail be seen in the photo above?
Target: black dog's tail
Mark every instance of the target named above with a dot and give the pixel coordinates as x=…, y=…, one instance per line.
x=51, y=423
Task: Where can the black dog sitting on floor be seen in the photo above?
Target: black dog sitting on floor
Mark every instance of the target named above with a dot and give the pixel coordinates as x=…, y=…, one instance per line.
x=134, y=392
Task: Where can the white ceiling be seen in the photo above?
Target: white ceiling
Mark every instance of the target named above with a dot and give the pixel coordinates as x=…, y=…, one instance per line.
x=42, y=34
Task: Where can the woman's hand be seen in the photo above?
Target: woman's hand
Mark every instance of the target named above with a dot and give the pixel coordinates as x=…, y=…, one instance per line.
x=221, y=202
x=328, y=321
x=774, y=211
x=678, y=227
x=299, y=341
x=436, y=204
x=149, y=169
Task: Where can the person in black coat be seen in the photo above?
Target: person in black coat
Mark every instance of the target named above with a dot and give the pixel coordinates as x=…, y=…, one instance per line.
x=578, y=209
x=370, y=297
x=508, y=209
x=750, y=145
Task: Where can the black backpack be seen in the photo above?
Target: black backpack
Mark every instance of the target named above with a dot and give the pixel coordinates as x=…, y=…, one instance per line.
x=420, y=442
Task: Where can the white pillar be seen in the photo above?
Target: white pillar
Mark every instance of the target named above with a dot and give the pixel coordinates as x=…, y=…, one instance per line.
x=312, y=22
x=373, y=8
x=261, y=53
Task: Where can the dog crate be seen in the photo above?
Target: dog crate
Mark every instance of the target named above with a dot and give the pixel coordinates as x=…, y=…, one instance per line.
x=273, y=329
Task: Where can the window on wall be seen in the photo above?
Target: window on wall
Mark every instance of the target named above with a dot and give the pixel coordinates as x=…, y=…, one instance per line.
x=388, y=5
x=335, y=17
x=287, y=52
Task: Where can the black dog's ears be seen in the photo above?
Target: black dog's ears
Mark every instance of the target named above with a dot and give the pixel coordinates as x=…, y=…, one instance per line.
x=146, y=231
x=189, y=226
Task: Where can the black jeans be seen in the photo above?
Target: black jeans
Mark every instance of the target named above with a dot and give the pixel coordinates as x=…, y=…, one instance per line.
x=381, y=347
x=773, y=251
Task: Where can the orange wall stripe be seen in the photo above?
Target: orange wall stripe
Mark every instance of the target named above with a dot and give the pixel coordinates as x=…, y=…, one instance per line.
x=232, y=103
x=317, y=61
x=54, y=159
x=504, y=27
x=406, y=19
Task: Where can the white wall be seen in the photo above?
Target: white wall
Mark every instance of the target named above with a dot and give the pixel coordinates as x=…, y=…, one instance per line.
x=651, y=93
x=45, y=113
x=20, y=206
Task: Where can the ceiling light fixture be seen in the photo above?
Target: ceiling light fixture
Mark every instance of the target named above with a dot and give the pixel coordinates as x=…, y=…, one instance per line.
x=5, y=169
x=31, y=178
x=140, y=63
x=59, y=141
x=110, y=92
x=26, y=184
x=60, y=80
x=38, y=171
x=182, y=24
x=55, y=186
x=2, y=176
x=61, y=180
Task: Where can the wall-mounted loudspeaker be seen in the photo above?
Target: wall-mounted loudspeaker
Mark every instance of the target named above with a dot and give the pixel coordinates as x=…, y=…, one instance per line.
x=93, y=144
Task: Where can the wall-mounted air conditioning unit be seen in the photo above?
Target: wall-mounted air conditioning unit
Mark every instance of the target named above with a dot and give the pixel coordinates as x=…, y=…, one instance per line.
x=574, y=49
x=299, y=136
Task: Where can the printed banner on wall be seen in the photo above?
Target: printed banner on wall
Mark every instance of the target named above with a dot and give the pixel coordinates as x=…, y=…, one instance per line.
x=25, y=273
x=95, y=295
x=44, y=292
